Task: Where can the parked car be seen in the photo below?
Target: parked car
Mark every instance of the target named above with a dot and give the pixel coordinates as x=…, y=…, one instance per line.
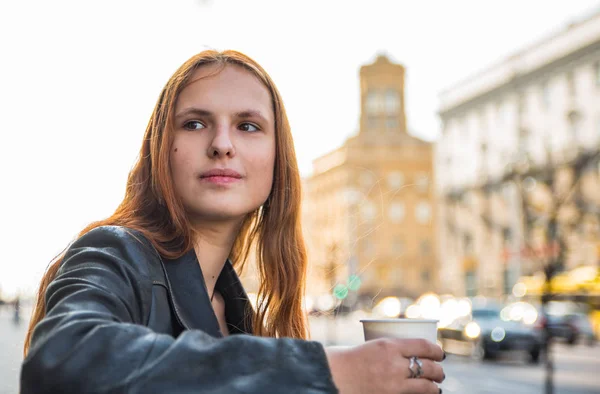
x=485, y=335
x=571, y=327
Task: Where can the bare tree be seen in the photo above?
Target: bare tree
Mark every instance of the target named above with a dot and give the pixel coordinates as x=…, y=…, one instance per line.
x=549, y=252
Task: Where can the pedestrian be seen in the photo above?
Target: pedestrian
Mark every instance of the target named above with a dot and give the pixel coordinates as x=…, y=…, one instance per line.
x=17, y=310
x=149, y=299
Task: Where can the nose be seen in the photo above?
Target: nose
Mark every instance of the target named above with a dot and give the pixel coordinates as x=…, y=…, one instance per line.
x=221, y=144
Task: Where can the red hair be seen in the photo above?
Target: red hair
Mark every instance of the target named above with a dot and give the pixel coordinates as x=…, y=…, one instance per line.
x=152, y=207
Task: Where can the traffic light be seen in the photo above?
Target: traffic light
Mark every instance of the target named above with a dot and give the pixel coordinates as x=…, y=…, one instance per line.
x=340, y=291
x=354, y=282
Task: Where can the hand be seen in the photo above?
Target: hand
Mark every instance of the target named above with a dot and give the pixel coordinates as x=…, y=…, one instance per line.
x=381, y=366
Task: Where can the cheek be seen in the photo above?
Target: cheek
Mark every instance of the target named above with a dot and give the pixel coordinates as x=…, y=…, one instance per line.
x=268, y=176
x=181, y=164
x=263, y=174
x=174, y=162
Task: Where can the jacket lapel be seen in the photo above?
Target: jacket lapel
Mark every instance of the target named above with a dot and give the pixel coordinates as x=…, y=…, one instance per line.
x=238, y=310
x=191, y=302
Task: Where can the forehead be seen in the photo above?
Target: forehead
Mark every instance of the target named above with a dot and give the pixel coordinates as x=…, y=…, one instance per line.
x=230, y=88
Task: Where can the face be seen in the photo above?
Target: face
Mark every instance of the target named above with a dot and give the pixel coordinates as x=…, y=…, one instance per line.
x=223, y=153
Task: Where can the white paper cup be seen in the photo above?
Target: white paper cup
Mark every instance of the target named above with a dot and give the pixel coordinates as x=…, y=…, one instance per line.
x=400, y=328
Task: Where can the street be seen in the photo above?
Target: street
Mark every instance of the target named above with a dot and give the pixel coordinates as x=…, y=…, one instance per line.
x=576, y=373
x=11, y=348
x=577, y=368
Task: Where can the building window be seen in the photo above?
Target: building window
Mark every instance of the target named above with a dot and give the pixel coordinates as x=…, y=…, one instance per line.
x=500, y=113
x=374, y=104
x=422, y=182
x=423, y=212
x=481, y=121
x=372, y=101
x=522, y=103
x=369, y=211
x=571, y=85
x=546, y=99
x=397, y=247
x=367, y=179
x=391, y=123
x=392, y=101
x=371, y=122
x=396, y=212
x=395, y=180
x=425, y=247
x=463, y=126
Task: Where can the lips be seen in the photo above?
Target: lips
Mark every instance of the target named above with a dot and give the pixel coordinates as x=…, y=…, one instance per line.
x=221, y=173
x=220, y=177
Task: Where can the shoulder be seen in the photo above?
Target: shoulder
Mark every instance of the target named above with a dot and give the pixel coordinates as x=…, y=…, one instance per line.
x=114, y=244
x=108, y=265
x=112, y=235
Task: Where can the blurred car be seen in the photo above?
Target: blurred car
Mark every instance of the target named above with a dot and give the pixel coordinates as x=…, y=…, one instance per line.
x=571, y=327
x=484, y=335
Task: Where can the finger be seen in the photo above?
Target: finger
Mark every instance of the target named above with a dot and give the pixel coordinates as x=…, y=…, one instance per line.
x=420, y=386
x=433, y=371
x=421, y=348
x=430, y=370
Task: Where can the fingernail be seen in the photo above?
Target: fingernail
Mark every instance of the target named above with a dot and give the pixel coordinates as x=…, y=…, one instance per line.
x=443, y=358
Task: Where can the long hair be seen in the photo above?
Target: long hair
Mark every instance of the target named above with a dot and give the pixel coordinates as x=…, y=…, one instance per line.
x=151, y=206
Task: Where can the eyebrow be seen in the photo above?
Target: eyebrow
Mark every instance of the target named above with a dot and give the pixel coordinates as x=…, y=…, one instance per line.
x=250, y=113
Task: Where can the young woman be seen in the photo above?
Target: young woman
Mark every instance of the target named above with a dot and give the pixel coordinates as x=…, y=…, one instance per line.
x=148, y=300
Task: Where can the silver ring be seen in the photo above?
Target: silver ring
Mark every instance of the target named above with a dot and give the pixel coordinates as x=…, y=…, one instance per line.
x=411, y=367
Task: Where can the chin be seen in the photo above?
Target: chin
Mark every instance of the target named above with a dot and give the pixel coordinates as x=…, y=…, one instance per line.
x=221, y=214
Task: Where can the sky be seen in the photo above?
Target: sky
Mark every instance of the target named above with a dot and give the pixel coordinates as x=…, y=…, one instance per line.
x=79, y=80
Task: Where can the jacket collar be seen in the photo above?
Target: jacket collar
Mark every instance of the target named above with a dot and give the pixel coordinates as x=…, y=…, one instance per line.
x=238, y=310
x=191, y=302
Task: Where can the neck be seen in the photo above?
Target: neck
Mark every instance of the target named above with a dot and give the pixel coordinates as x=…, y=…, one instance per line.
x=213, y=244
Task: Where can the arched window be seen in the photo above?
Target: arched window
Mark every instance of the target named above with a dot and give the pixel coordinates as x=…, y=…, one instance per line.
x=392, y=101
x=374, y=102
x=396, y=212
x=395, y=180
x=423, y=212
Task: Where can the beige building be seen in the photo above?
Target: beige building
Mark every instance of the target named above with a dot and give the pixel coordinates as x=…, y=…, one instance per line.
x=367, y=207
x=514, y=139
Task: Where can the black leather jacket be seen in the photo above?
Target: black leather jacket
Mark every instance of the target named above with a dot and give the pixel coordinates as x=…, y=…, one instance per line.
x=119, y=320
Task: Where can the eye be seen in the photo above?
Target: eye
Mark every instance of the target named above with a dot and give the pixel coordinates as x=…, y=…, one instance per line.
x=248, y=127
x=193, y=125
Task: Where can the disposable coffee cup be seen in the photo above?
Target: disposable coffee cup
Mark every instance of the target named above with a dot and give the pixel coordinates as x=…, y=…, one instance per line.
x=400, y=328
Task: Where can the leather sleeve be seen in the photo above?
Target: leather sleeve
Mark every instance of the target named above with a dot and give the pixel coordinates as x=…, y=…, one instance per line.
x=93, y=338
